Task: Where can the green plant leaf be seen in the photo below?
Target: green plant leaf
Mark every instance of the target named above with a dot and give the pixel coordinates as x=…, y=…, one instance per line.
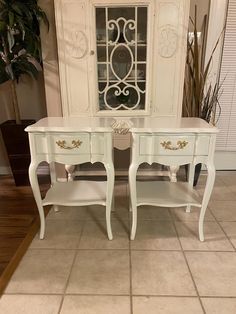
x=11, y=19
x=3, y=26
x=11, y=40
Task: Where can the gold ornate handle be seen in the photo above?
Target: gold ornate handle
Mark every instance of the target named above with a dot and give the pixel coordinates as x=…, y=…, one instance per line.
x=75, y=144
x=168, y=145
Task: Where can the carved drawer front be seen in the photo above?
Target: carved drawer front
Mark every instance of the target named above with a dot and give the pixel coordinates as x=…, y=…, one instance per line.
x=71, y=144
x=172, y=145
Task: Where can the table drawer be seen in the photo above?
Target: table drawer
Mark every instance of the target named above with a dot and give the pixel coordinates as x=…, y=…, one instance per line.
x=174, y=145
x=70, y=143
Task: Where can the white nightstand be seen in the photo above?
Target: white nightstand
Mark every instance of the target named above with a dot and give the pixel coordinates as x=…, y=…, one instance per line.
x=72, y=141
x=172, y=143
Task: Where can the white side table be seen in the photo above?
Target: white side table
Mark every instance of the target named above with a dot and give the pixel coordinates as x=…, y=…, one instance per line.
x=72, y=141
x=172, y=143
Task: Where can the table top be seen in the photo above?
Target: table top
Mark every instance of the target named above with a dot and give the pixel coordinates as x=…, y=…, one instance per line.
x=111, y=124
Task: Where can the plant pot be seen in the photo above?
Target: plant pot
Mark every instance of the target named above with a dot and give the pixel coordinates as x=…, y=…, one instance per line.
x=17, y=146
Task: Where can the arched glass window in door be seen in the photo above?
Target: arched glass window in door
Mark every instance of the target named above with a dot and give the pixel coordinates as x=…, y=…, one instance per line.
x=121, y=42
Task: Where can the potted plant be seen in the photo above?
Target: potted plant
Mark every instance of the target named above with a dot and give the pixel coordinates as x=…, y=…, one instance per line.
x=200, y=96
x=20, y=53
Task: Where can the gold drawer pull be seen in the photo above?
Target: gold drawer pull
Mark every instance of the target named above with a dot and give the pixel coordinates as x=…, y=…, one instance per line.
x=75, y=144
x=180, y=145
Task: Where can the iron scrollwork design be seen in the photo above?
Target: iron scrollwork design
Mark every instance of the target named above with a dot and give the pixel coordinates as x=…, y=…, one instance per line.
x=121, y=75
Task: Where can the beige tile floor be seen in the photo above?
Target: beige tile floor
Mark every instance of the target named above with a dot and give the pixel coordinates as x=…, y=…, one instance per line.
x=164, y=270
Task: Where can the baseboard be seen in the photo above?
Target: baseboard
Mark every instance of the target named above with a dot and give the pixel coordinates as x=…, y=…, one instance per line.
x=42, y=170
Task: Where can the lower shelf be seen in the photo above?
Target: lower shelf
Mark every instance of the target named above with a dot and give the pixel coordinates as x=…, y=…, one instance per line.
x=166, y=194
x=76, y=193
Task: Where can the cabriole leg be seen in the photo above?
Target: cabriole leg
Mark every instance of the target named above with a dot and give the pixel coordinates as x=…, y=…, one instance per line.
x=133, y=198
x=109, y=197
x=37, y=195
x=206, y=197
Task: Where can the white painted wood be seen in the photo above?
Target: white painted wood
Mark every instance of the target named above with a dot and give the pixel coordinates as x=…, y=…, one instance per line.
x=72, y=26
x=209, y=185
x=71, y=124
x=97, y=134
x=70, y=142
x=37, y=196
x=171, y=194
x=76, y=193
x=157, y=145
x=164, y=194
x=170, y=33
x=171, y=125
x=133, y=203
x=140, y=125
x=166, y=47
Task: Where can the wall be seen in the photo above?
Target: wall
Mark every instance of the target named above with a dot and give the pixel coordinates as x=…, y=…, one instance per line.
x=202, y=9
x=31, y=94
x=31, y=97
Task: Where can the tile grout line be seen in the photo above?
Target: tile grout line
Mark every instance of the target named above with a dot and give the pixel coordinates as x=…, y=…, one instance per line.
x=72, y=265
x=191, y=275
x=222, y=229
x=218, y=222
x=130, y=277
x=121, y=295
x=130, y=258
x=130, y=251
x=227, y=185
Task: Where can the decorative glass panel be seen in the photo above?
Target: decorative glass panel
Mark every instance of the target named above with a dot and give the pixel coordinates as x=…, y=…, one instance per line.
x=121, y=40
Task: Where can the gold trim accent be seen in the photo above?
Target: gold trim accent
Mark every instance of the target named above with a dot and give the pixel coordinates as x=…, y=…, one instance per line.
x=75, y=144
x=180, y=145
